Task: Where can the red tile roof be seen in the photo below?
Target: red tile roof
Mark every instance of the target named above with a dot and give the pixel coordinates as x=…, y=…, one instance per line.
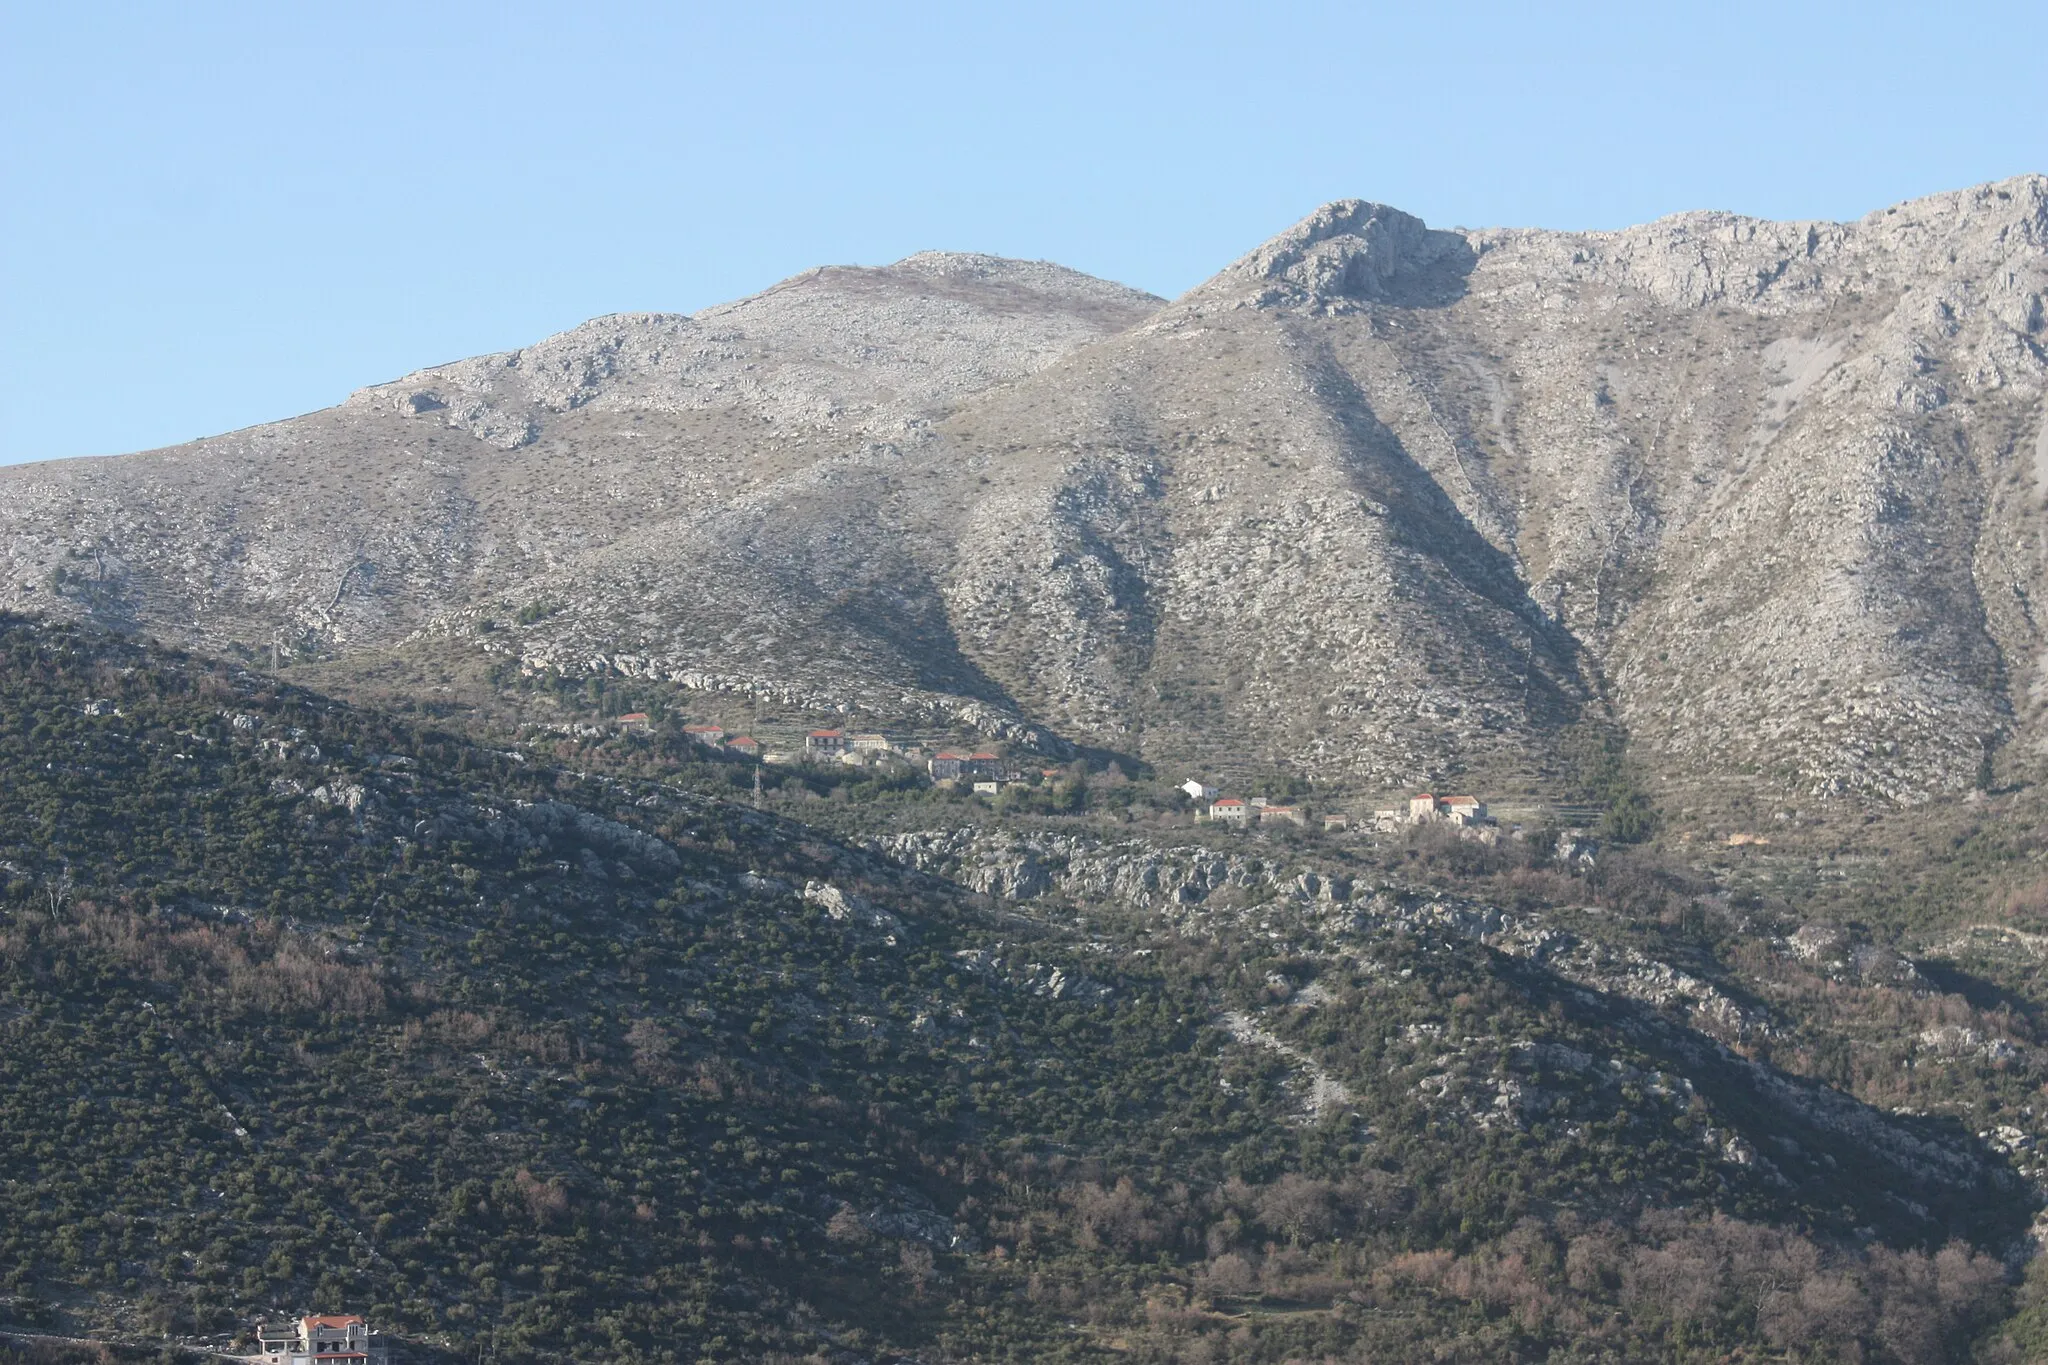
x=333, y=1320
x=1228, y=801
x=827, y=734
x=634, y=716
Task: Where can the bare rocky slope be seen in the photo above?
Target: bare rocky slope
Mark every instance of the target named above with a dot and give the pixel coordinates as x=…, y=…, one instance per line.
x=1379, y=502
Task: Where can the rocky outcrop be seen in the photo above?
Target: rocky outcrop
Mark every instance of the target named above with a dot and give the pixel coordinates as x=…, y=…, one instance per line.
x=1179, y=885
x=1695, y=1025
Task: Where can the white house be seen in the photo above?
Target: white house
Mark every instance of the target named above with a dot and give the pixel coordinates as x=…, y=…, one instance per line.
x=1198, y=790
x=1231, y=810
x=1465, y=810
x=336, y=1339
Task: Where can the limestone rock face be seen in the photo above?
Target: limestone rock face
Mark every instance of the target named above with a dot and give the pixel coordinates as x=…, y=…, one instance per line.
x=1381, y=502
x=1356, y=250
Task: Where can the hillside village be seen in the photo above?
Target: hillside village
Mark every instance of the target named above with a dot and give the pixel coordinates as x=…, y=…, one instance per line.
x=988, y=774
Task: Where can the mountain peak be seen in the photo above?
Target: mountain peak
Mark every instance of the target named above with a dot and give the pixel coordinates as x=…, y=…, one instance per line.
x=1352, y=249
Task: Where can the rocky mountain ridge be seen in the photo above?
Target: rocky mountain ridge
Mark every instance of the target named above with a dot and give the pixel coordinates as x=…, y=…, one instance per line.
x=1380, y=504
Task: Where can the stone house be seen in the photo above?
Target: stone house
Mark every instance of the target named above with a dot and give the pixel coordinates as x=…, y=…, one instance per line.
x=824, y=743
x=1421, y=809
x=1273, y=815
x=633, y=720
x=1231, y=810
x=1464, y=810
x=871, y=744
x=1336, y=822
x=945, y=765
x=713, y=735
x=744, y=744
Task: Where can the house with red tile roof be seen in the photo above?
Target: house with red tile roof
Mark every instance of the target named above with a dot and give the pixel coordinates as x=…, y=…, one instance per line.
x=1231, y=810
x=323, y=1339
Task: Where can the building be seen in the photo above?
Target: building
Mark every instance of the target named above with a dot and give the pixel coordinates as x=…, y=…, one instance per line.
x=945, y=764
x=634, y=720
x=1464, y=810
x=1421, y=809
x=1273, y=815
x=1231, y=810
x=824, y=743
x=871, y=744
x=1336, y=822
x=988, y=786
x=1198, y=791
x=713, y=735
x=342, y=1339
x=744, y=744
x=984, y=765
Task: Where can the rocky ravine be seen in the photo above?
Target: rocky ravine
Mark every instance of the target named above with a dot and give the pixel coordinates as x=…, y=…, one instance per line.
x=1381, y=502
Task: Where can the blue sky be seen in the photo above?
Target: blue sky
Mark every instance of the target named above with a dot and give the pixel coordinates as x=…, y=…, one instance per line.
x=213, y=215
